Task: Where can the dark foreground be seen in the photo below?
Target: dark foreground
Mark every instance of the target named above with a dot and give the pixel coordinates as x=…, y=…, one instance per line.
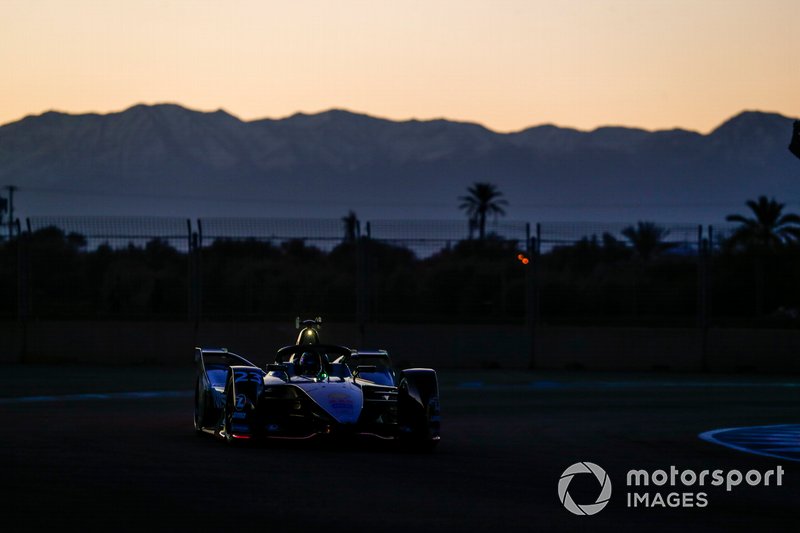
x=135, y=464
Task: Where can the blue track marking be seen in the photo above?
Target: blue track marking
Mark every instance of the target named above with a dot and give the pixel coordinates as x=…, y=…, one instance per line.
x=780, y=441
x=140, y=395
x=644, y=384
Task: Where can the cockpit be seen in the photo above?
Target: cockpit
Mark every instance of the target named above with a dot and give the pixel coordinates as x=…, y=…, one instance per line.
x=315, y=362
x=310, y=364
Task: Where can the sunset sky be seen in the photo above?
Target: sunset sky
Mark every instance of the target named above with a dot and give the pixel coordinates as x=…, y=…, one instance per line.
x=506, y=64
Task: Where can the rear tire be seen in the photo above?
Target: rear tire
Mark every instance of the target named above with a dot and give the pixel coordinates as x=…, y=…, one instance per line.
x=418, y=410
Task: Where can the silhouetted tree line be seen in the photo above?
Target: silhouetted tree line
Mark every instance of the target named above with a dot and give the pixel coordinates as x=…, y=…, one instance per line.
x=603, y=280
x=251, y=278
x=638, y=277
x=55, y=275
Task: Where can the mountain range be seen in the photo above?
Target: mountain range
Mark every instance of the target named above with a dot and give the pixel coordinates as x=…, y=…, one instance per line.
x=168, y=160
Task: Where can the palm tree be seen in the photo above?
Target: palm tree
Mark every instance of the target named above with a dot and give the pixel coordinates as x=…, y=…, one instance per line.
x=483, y=199
x=768, y=229
x=648, y=239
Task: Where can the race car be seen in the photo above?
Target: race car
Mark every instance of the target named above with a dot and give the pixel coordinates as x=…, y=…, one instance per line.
x=314, y=390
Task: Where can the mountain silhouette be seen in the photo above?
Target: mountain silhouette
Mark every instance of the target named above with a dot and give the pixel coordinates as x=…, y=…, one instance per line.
x=168, y=160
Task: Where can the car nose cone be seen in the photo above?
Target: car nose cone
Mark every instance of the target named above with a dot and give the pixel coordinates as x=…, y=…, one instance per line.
x=343, y=401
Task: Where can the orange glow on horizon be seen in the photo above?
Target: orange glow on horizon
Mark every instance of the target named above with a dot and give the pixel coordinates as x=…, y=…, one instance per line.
x=507, y=65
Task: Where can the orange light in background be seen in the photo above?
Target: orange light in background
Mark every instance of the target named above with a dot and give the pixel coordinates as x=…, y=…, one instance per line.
x=525, y=261
x=520, y=257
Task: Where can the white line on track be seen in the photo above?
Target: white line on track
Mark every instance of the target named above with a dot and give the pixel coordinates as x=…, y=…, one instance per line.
x=138, y=395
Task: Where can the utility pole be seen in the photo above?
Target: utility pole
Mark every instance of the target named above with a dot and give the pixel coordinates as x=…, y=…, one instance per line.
x=3, y=209
x=11, y=189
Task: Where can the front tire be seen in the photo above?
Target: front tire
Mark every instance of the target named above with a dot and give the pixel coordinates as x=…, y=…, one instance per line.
x=198, y=409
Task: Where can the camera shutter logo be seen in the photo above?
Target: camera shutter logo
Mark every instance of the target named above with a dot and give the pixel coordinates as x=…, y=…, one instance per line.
x=590, y=508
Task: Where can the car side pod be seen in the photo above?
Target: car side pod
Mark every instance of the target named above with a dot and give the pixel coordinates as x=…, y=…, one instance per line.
x=418, y=409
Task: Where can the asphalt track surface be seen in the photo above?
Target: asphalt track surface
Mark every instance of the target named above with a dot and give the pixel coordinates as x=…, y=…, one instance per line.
x=79, y=447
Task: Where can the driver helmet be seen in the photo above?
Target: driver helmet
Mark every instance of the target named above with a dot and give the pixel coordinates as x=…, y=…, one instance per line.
x=309, y=364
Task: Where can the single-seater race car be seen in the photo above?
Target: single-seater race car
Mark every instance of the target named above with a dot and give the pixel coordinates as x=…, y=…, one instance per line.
x=315, y=390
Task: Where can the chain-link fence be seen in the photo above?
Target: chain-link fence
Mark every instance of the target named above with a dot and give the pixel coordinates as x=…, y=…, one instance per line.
x=105, y=267
x=398, y=271
x=10, y=272
x=619, y=274
x=116, y=232
x=441, y=270
x=273, y=268
x=753, y=277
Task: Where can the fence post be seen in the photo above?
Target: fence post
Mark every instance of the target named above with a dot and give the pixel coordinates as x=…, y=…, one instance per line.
x=702, y=296
x=189, y=271
x=529, y=295
x=532, y=290
x=362, y=283
x=197, y=277
x=709, y=291
x=23, y=281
